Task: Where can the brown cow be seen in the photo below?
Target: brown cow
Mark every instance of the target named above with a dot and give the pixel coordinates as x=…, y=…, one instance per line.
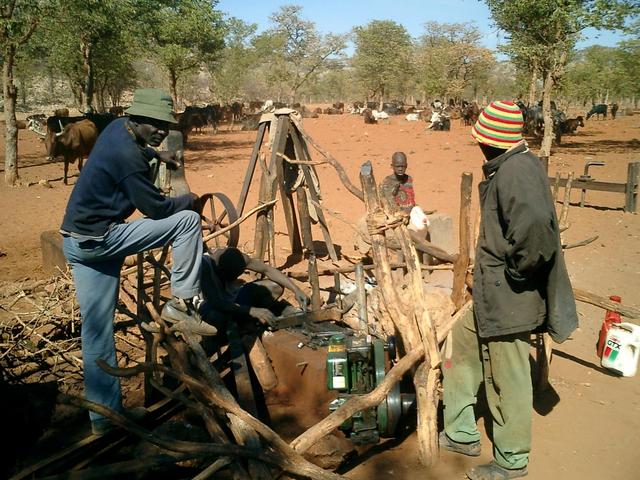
x=61, y=112
x=74, y=142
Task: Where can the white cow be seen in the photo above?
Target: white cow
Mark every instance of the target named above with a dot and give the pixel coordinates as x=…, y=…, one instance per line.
x=380, y=115
x=412, y=117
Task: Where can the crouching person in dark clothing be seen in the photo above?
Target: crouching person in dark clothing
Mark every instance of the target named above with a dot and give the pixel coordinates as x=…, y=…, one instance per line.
x=520, y=285
x=250, y=302
x=114, y=184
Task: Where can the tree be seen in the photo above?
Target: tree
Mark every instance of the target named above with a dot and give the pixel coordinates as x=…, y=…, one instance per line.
x=592, y=75
x=544, y=32
x=18, y=21
x=188, y=35
x=234, y=64
x=450, y=59
x=383, y=51
x=295, y=52
x=95, y=47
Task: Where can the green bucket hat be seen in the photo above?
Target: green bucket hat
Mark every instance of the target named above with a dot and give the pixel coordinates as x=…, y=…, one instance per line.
x=152, y=103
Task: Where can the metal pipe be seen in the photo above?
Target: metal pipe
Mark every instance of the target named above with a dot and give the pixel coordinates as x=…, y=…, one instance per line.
x=587, y=177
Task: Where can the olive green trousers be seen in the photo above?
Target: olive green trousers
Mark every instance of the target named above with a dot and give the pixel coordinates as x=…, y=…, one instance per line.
x=503, y=364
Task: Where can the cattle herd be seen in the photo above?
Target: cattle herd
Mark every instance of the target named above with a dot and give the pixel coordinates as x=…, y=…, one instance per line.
x=72, y=137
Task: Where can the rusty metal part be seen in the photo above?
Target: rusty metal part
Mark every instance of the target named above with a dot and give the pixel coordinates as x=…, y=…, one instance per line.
x=295, y=320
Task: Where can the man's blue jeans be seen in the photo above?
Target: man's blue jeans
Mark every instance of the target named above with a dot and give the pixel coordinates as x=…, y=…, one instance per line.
x=96, y=268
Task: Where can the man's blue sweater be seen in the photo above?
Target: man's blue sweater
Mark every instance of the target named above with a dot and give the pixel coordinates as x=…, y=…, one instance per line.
x=114, y=183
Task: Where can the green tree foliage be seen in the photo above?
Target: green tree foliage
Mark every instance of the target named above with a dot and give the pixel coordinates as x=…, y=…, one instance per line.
x=18, y=21
x=93, y=40
x=451, y=59
x=384, y=54
x=294, y=53
x=187, y=35
x=94, y=44
x=233, y=68
x=543, y=33
x=628, y=62
x=601, y=74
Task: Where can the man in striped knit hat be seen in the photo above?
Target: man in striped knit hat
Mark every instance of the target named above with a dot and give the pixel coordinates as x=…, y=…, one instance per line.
x=520, y=285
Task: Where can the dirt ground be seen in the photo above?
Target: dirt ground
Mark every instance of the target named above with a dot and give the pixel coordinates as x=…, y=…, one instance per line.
x=586, y=427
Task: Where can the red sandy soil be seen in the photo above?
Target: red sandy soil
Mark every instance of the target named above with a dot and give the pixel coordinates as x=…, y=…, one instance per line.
x=587, y=426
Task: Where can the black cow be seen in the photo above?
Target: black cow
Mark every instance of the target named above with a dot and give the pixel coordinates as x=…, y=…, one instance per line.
x=534, y=121
x=614, y=110
x=597, y=110
x=570, y=125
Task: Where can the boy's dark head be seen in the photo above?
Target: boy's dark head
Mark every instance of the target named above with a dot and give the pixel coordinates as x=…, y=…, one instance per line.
x=231, y=264
x=399, y=163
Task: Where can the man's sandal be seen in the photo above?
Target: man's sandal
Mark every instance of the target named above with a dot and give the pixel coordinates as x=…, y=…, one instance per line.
x=493, y=471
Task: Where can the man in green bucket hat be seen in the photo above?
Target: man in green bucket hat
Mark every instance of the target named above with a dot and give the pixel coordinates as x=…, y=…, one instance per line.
x=114, y=184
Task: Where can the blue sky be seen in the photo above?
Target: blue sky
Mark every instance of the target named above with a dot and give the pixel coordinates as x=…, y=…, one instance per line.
x=336, y=16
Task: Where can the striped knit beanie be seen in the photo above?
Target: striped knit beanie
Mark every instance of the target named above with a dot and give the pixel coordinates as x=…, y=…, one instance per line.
x=499, y=125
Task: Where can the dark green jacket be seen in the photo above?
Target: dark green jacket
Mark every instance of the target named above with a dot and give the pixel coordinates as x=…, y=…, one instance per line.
x=520, y=280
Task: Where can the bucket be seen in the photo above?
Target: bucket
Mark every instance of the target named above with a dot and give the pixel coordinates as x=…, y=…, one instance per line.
x=622, y=349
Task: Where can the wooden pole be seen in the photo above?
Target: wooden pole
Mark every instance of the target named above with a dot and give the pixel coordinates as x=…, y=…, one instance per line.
x=250, y=169
x=564, y=214
x=631, y=191
x=284, y=144
x=362, y=299
x=267, y=194
x=307, y=238
x=556, y=186
x=462, y=262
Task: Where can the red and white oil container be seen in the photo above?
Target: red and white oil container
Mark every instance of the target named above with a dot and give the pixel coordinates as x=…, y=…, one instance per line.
x=619, y=344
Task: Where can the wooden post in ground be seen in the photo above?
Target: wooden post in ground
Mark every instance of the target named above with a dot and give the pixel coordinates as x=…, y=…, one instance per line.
x=564, y=214
x=556, y=186
x=250, y=169
x=412, y=321
x=284, y=144
x=307, y=239
x=361, y=301
x=264, y=218
x=631, y=191
x=462, y=262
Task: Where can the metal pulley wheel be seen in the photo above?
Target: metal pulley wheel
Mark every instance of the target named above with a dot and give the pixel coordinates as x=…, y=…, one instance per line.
x=218, y=213
x=390, y=409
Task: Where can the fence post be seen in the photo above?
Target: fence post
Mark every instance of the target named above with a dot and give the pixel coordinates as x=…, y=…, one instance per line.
x=631, y=191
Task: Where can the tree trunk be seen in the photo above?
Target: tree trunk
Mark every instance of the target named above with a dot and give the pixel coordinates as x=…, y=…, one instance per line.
x=87, y=66
x=11, y=135
x=173, y=79
x=547, y=89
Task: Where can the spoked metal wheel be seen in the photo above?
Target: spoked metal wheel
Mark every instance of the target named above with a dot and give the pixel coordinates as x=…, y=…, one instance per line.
x=217, y=214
